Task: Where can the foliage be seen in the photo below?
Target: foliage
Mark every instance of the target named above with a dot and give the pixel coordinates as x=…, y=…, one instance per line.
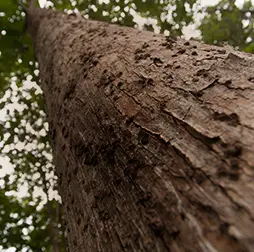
x=33, y=220
x=23, y=224
x=226, y=22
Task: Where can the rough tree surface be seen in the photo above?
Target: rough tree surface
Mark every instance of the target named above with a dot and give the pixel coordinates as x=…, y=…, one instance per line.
x=153, y=137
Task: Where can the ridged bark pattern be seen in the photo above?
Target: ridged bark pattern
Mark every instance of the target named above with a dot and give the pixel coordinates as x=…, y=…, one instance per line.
x=153, y=137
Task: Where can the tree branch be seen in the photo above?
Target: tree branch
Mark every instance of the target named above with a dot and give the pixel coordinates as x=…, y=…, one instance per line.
x=32, y=4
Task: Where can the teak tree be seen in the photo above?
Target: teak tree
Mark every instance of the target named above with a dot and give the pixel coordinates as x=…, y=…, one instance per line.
x=29, y=222
x=152, y=136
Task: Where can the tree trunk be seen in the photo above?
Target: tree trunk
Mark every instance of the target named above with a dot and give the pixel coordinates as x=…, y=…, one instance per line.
x=152, y=136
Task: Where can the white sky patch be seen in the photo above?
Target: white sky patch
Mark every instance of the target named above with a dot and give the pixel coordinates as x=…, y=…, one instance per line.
x=42, y=3
x=188, y=31
x=202, y=2
x=214, y=2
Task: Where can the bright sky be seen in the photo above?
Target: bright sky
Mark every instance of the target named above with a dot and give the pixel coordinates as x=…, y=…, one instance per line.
x=203, y=2
x=189, y=31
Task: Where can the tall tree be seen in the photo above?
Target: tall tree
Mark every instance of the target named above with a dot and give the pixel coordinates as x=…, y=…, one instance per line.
x=23, y=130
x=152, y=137
x=227, y=22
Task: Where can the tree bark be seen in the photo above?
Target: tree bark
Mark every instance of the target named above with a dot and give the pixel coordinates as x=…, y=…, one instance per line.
x=152, y=136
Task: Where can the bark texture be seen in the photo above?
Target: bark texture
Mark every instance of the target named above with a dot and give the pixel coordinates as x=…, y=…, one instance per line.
x=152, y=137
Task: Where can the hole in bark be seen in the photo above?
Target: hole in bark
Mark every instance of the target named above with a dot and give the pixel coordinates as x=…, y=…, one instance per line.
x=138, y=50
x=150, y=81
x=95, y=62
x=142, y=81
x=222, y=51
x=115, y=98
x=157, y=226
x=91, y=159
x=175, y=234
x=234, y=164
x=66, y=134
x=199, y=93
x=145, y=45
x=233, y=175
x=107, y=155
x=232, y=119
x=233, y=151
x=119, y=74
x=143, y=197
x=119, y=84
x=251, y=79
x=85, y=227
x=157, y=61
x=224, y=228
x=228, y=82
x=181, y=51
x=200, y=177
x=201, y=72
x=117, y=181
x=132, y=168
x=143, y=137
x=129, y=120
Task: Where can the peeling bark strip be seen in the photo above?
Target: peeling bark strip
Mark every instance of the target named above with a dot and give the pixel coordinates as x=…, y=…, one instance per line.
x=152, y=137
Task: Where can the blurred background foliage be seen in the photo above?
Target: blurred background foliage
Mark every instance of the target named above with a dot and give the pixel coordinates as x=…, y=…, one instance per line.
x=226, y=22
x=30, y=207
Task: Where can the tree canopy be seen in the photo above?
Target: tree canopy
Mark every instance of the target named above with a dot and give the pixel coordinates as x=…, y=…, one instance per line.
x=29, y=204
x=227, y=22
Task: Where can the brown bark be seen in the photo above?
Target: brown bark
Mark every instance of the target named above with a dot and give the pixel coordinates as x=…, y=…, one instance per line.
x=152, y=137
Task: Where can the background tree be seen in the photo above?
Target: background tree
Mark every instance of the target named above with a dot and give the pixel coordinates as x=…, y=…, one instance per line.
x=227, y=22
